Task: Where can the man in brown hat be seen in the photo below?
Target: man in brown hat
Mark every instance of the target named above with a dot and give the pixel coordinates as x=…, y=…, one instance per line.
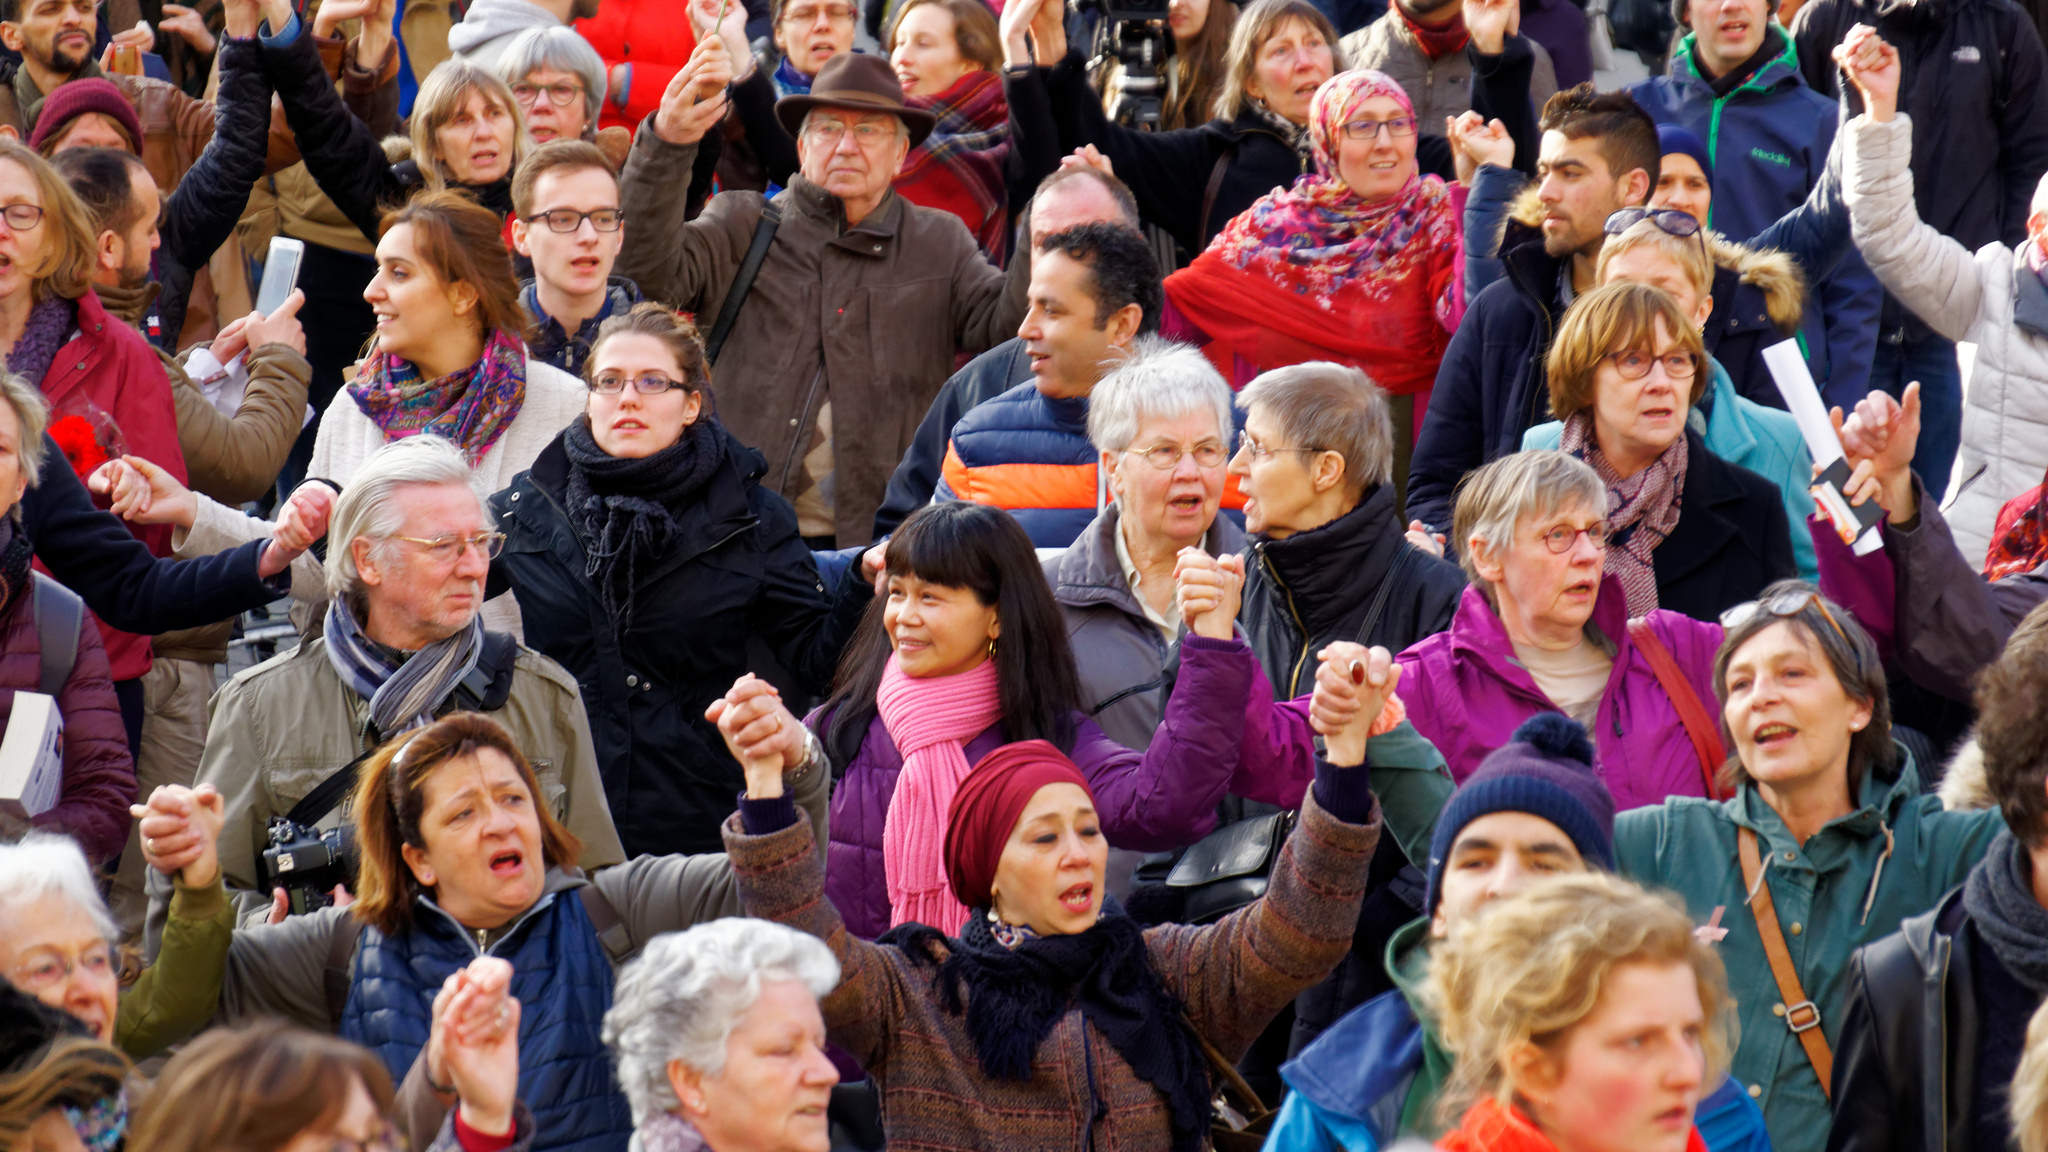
x=862, y=301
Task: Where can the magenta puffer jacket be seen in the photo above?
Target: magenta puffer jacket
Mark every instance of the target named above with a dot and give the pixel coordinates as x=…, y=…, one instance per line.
x=1151, y=801
x=99, y=776
x=1466, y=694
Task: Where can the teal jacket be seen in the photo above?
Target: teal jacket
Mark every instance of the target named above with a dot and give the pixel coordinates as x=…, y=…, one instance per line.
x=1834, y=894
x=1748, y=435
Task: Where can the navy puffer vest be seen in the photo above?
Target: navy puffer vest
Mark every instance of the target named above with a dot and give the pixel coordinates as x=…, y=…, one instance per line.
x=563, y=980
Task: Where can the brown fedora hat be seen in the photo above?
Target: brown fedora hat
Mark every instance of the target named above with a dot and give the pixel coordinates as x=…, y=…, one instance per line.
x=858, y=82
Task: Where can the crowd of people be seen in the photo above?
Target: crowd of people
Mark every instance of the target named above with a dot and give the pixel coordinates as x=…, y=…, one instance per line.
x=964, y=575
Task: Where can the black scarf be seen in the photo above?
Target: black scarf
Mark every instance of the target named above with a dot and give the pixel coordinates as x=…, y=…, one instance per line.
x=1999, y=896
x=15, y=553
x=625, y=510
x=1014, y=998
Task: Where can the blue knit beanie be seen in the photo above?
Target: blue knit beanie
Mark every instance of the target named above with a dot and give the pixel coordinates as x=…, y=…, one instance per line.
x=1545, y=769
x=1673, y=139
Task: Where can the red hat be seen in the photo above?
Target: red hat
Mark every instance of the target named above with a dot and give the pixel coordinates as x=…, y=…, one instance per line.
x=986, y=808
x=75, y=98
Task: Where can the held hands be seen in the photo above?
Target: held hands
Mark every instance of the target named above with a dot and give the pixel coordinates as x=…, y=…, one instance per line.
x=1353, y=685
x=760, y=733
x=474, y=1045
x=695, y=98
x=1475, y=142
x=1209, y=589
x=300, y=523
x=1491, y=22
x=142, y=493
x=1878, y=439
x=1424, y=540
x=180, y=829
x=1873, y=67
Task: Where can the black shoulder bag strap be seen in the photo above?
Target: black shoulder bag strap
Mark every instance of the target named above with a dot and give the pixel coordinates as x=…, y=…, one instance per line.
x=1214, y=187
x=59, y=614
x=1395, y=571
x=736, y=296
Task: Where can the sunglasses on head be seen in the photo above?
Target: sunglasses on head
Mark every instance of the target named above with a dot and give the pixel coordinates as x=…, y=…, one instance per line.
x=1669, y=221
x=1784, y=605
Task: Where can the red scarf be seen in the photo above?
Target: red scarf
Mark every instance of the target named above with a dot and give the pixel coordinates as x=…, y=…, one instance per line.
x=2019, y=537
x=1313, y=272
x=1490, y=1126
x=959, y=167
x=1440, y=40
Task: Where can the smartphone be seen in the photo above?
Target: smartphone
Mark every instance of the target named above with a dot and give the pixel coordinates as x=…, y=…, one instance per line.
x=280, y=273
x=127, y=60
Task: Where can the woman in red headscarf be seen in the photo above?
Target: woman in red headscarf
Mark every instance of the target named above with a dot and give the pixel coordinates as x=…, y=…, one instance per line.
x=1359, y=262
x=1054, y=1020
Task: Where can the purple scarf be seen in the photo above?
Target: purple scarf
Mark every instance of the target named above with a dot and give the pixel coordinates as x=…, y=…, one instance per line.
x=49, y=325
x=472, y=407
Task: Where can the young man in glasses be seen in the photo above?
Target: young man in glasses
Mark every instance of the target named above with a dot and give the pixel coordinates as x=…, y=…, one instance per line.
x=566, y=219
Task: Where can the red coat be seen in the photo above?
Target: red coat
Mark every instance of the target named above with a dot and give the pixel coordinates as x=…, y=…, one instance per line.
x=99, y=778
x=110, y=368
x=653, y=36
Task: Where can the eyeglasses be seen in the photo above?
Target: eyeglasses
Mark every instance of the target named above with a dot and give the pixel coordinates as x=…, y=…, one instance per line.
x=867, y=134
x=22, y=217
x=560, y=95
x=1245, y=443
x=809, y=13
x=1785, y=603
x=1634, y=365
x=570, y=220
x=1560, y=538
x=1397, y=128
x=652, y=384
x=42, y=969
x=385, y=1139
x=1166, y=457
x=445, y=549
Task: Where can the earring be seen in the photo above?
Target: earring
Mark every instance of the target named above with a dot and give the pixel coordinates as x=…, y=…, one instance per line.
x=991, y=647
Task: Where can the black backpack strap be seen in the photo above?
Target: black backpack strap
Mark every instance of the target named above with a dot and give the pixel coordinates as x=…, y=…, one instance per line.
x=341, y=953
x=736, y=296
x=605, y=919
x=489, y=684
x=59, y=615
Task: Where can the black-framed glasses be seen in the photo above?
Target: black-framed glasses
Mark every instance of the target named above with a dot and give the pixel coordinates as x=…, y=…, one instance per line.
x=445, y=549
x=650, y=384
x=22, y=217
x=566, y=220
x=1634, y=364
x=1784, y=604
x=1396, y=127
x=560, y=95
x=1166, y=457
x=1246, y=443
x=1560, y=538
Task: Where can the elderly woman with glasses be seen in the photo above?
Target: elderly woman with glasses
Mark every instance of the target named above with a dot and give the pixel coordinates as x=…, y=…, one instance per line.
x=1688, y=531
x=646, y=557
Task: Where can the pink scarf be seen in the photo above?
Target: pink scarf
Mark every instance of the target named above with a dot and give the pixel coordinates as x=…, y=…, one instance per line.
x=931, y=720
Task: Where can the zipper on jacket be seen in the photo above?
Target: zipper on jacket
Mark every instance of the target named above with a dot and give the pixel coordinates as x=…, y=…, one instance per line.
x=1273, y=574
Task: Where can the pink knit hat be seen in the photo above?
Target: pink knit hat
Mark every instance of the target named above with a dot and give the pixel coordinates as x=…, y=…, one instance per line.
x=78, y=97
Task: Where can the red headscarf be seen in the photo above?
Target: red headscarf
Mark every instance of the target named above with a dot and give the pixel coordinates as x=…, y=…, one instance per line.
x=986, y=808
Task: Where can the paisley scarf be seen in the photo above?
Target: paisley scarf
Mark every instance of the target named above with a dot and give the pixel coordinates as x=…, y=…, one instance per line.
x=471, y=407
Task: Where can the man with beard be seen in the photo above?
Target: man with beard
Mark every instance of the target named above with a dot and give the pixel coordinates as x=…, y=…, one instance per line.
x=1599, y=153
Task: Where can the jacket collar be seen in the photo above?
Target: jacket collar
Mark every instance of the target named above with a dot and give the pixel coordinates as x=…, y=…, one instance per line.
x=1478, y=633
x=1329, y=566
x=129, y=305
x=1534, y=272
x=1727, y=433
x=1878, y=807
x=1087, y=572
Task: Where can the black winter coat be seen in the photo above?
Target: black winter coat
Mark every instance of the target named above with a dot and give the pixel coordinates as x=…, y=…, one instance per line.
x=1492, y=386
x=735, y=570
x=201, y=213
x=1732, y=538
x=1906, y=1054
x=1973, y=84
x=1320, y=586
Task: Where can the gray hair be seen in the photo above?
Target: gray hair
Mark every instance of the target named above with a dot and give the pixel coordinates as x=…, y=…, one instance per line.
x=371, y=507
x=45, y=864
x=558, y=48
x=1497, y=497
x=1159, y=380
x=1328, y=407
x=33, y=412
x=682, y=997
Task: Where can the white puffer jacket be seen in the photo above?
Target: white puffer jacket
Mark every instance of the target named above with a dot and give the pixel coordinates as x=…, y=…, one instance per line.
x=2004, y=447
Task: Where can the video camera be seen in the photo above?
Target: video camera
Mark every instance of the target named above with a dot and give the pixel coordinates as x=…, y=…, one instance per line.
x=1134, y=34
x=307, y=863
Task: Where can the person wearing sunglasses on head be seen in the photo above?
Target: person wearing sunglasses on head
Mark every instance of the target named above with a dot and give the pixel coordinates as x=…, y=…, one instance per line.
x=1667, y=249
x=645, y=554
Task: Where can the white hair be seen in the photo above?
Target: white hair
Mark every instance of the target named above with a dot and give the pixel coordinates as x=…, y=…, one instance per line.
x=1159, y=380
x=370, y=506
x=44, y=864
x=684, y=994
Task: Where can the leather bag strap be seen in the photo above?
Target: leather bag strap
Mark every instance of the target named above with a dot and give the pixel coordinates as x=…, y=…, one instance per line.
x=1801, y=1015
x=1692, y=713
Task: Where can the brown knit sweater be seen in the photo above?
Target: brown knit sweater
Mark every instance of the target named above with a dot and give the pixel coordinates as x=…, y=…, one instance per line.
x=1234, y=976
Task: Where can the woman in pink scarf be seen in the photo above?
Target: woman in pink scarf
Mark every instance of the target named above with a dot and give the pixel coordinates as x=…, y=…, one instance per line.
x=967, y=652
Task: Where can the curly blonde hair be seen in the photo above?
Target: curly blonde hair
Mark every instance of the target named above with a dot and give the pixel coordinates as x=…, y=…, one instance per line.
x=1535, y=965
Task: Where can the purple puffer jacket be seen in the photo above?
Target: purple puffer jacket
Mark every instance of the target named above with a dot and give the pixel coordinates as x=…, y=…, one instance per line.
x=1466, y=694
x=99, y=776
x=1162, y=798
